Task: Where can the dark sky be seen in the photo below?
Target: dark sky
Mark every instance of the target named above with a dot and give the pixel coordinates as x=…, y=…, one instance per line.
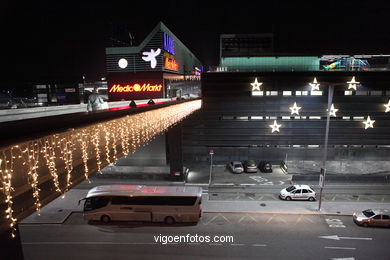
x=59, y=40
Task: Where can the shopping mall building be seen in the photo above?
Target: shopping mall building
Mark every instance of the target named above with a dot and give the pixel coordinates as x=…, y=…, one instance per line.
x=161, y=66
x=265, y=106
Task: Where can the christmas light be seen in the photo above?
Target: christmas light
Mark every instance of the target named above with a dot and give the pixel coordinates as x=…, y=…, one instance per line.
x=352, y=84
x=368, y=123
x=295, y=109
x=387, y=106
x=314, y=85
x=256, y=85
x=275, y=126
x=333, y=111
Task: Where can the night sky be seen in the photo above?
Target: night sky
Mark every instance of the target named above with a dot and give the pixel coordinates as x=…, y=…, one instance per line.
x=64, y=40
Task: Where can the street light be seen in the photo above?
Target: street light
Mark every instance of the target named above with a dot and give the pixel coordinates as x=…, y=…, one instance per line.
x=323, y=169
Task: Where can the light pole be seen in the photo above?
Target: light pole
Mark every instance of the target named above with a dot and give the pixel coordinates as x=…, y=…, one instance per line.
x=323, y=170
x=211, y=152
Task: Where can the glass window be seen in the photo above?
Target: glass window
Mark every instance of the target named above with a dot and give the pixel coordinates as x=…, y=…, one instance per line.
x=286, y=117
x=346, y=117
x=348, y=93
x=376, y=92
x=301, y=93
x=316, y=93
x=242, y=118
x=377, y=217
x=358, y=118
x=287, y=93
x=227, y=117
x=361, y=93
x=385, y=216
x=271, y=93
x=297, y=191
x=257, y=93
x=304, y=191
x=95, y=203
x=314, y=117
x=256, y=117
x=291, y=188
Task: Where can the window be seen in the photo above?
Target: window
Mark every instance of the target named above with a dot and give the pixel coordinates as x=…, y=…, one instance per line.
x=377, y=217
x=297, y=191
x=271, y=93
x=348, y=93
x=316, y=93
x=286, y=117
x=376, y=92
x=304, y=191
x=301, y=93
x=346, y=117
x=385, y=216
x=314, y=117
x=256, y=118
x=387, y=92
x=242, y=118
x=257, y=93
x=313, y=146
x=361, y=93
x=96, y=203
x=358, y=118
x=227, y=117
x=154, y=200
x=287, y=93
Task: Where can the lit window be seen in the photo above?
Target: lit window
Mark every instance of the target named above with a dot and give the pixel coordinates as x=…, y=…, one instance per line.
x=257, y=93
x=273, y=117
x=314, y=117
x=227, y=117
x=256, y=118
x=287, y=93
x=313, y=146
x=358, y=118
x=316, y=93
x=241, y=118
x=271, y=93
x=346, y=117
x=297, y=146
x=376, y=92
x=348, y=93
x=286, y=117
x=301, y=93
x=361, y=93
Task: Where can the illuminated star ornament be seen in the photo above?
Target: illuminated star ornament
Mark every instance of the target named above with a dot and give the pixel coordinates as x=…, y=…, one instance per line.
x=352, y=84
x=369, y=123
x=275, y=126
x=387, y=106
x=295, y=109
x=314, y=85
x=333, y=111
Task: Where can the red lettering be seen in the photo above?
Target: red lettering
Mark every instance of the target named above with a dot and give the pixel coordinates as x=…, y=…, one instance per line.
x=146, y=87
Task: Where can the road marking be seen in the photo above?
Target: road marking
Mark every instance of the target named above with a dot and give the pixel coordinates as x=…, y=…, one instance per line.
x=335, y=247
x=215, y=244
x=259, y=245
x=270, y=219
x=344, y=258
x=245, y=216
x=223, y=184
x=261, y=197
x=87, y=243
x=236, y=244
x=334, y=223
x=248, y=184
x=251, y=198
x=335, y=237
x=298, y=219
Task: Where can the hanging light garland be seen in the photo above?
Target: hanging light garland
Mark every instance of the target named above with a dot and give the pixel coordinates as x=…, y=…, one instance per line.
x=103, y=141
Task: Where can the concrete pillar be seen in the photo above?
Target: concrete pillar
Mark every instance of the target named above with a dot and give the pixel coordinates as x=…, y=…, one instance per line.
x=174, y=152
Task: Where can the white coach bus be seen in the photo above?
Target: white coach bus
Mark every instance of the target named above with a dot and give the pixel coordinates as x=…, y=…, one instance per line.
x=167, y=204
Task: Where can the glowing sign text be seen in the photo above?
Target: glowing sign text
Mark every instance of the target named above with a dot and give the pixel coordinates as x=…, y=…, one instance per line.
x=170, y=62
x=117, y=88
x=169, y=44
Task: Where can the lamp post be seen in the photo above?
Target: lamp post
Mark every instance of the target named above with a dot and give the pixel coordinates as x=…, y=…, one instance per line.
x=323, y=170
x=211, y=152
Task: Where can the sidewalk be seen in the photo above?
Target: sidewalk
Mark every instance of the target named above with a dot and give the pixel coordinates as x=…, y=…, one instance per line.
x=60, y=209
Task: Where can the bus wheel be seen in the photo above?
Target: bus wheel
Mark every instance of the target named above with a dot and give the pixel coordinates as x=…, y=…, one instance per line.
x=105, y=219
x=169, y=220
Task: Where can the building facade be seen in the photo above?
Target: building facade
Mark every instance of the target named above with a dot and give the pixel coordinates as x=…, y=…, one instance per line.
x=161, y=66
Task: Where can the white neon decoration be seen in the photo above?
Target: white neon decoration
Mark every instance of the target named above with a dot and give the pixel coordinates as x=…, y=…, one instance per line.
x=333, y=111
x=369, y=123
x=314, y=85
x=295, y=109
x=387, y=106
x=256, y=85
x=151, y=56
x=122, y=63
x=352, y=84
x=275, y=126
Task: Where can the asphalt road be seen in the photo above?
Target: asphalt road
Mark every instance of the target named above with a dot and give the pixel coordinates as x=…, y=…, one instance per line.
x=249, y=236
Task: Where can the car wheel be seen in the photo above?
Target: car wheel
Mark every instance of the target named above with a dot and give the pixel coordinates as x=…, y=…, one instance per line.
x=105, y=219
x=169, y=220
x=288, y=198
x=365, y=224
x=312, y=199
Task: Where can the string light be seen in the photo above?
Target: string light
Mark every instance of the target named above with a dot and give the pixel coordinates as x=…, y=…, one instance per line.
x=314, y=85
x=61, y=152
x=295, y=109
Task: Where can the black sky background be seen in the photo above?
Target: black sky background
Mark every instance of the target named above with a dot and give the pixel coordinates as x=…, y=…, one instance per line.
x=63, y=40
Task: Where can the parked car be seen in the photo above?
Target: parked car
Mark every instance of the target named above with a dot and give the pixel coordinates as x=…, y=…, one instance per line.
x=298, y=192
x=265, y=166
x=236, y=167
x=250, y=166
x=372, y=217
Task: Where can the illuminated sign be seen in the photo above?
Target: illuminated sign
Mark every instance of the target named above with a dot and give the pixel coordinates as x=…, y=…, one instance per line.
x=146, y=87
x=151, y=56
x=170, y=62
x=169, y=44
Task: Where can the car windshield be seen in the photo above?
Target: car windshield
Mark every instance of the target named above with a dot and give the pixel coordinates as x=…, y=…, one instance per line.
x=291, y=188
x=251, y=164
x=237, y=166
x=368, y=213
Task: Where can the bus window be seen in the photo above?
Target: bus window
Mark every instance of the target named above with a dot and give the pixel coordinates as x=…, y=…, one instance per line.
x=95, y=203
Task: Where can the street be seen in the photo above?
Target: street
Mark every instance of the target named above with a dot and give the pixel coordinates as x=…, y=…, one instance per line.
x=264, y=236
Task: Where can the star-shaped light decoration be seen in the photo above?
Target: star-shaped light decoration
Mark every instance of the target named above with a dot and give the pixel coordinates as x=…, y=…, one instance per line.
x=387, y=106
x=333, y=111
x=369, y=123
x=256, y=87
x=295, y=109
x=352, y=84
x=314, y=85
x=275, y=126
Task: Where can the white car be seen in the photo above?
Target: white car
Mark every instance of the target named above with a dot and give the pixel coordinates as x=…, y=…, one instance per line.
x=298, y=192
x=236, y=167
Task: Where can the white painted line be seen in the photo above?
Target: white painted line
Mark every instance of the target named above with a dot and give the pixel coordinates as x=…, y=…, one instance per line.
x=248, y=184
x=335, y=247
x=215, y=244
x=345, y=258
x=223, y=184
x=259, y=245
x=87, y=243
x=236, y=244
x=336, y=237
